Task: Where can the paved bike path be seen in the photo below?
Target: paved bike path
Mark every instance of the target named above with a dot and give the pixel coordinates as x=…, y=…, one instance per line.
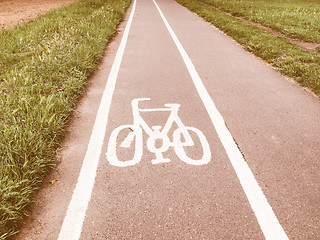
x=169, y=200
x=273, y=121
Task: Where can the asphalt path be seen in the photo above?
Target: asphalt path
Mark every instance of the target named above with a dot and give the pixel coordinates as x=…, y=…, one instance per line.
x=182, y=135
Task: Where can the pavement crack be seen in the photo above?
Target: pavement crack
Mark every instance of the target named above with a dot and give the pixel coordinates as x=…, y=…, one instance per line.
x=235, y=141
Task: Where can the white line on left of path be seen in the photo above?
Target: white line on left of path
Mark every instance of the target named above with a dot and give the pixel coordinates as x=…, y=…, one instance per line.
x=73, y=221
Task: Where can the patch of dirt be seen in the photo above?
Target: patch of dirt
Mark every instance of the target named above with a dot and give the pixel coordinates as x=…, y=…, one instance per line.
x=15, y=11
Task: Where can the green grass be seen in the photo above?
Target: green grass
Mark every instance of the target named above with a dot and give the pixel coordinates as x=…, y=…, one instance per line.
x=289, y=59
x=298, y=19
x=44, y=66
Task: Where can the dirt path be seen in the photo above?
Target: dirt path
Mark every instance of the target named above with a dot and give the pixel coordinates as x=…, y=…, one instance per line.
x=252, y=171
x=16, y=11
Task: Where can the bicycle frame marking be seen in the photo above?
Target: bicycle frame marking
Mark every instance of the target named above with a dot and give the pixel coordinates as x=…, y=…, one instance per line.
x=155, y=133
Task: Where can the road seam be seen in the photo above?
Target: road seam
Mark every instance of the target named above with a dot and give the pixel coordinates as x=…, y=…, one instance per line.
x=73, y=221
x=267, y=220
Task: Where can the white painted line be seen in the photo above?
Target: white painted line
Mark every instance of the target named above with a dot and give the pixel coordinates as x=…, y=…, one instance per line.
x=72, y=224
x=267, y=220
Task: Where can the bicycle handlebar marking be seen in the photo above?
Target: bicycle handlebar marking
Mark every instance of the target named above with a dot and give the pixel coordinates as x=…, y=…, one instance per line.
x=156, y=133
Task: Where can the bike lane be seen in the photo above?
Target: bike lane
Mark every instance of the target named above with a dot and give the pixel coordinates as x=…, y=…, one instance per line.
x=178, y=200
x=168, y=200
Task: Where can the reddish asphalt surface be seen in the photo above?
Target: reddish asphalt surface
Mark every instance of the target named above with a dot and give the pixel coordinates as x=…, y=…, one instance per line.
x=273, y=121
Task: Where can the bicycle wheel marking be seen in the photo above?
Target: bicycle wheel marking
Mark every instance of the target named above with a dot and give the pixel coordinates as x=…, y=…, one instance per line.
x=156, y=133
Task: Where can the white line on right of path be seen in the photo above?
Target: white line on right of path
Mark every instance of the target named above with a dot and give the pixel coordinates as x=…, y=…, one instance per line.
x=267, y=220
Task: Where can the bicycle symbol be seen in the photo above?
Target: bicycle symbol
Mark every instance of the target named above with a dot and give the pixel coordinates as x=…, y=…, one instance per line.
x=155, y=133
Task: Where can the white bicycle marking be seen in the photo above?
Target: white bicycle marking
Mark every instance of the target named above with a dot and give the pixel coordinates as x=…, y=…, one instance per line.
x=155, y=133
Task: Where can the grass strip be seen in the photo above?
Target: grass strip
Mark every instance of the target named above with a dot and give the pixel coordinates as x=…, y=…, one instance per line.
x=44, y=65
x=299, y=19
x=288, y=58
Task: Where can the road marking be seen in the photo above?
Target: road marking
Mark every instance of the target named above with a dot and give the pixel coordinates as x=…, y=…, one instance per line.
x=155, y=133
x=73, y=221
x=267, y=220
